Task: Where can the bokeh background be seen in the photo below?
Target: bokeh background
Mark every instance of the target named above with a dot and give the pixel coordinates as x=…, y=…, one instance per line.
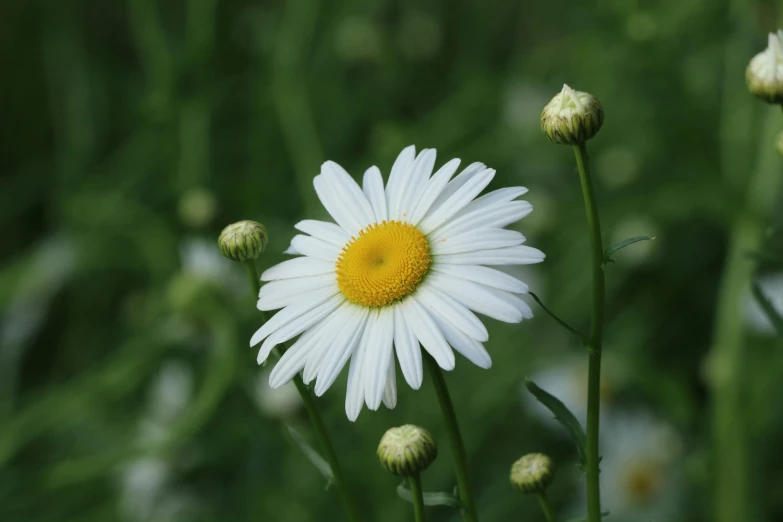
x=132, y=131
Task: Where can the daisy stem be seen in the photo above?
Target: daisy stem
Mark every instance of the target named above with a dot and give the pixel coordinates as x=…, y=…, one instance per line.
x=596, y=336
x=349, y=503
x=545, y=507
x=455, y=438
x=418, y=497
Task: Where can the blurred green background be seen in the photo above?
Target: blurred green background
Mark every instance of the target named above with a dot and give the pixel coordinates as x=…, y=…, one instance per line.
x=132, y=131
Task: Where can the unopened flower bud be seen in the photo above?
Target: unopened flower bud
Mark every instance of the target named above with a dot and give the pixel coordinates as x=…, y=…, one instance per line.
x=572, y=117
x=532, y=473
x=243, y=240
x=765, y=71
x=407, y=450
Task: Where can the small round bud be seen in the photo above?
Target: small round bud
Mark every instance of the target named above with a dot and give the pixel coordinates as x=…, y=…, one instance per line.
x=572, y=117
x=407, y=450
x=532, y=473
x=765, y=71
x=243, y=240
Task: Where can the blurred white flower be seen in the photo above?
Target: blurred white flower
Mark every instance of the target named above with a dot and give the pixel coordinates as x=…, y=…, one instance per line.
x=279, y=403
x=171, y=392
x=764, y=74
x=640, y=478
x=568, y=382
x=141, y=485
x=755, y=318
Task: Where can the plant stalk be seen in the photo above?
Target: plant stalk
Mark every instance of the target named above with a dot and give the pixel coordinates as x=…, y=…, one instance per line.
x=455, y=438
x=418, y=497
x=545, y=507
x=348, y=500
x=596, y=336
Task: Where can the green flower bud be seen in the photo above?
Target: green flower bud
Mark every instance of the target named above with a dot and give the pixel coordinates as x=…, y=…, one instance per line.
x=572, y=117
x=532, y=473
x=765, y=71
x=407, y=450
x=243, y=240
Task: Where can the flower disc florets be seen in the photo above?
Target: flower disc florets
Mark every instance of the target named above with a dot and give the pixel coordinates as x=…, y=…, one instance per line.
x=532, y=473
x=572, y=117
x=243, y=240
x=407, y=450
x=765, y=71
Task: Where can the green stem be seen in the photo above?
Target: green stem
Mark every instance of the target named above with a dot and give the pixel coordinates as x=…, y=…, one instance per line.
x=596, y=336
x=583, y=337
x=349, y=503
x=418, y=497
x=732, y=451
x=455, y=438
x=545, y=507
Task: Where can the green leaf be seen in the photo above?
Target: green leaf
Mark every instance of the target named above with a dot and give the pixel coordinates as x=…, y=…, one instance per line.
x=312, y=455
x=564, y=417
x=769, y=309
x=430, y=499
x=622, y=244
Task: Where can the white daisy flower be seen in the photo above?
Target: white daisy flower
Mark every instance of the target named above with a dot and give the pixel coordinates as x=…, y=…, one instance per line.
x=404, y=265
x=640, y=479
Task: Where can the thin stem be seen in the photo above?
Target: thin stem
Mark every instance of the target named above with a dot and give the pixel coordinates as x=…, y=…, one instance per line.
x=768, y=308
x=583, y=337
x=545, y=507
x=734, y=495
x=455, y=438
x=349, y=503
x=418, y=497
x=596, y=336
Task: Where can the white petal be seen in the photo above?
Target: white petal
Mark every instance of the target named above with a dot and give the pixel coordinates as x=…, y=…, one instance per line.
x=298, y=267
x=470, y=348
x=312, y=247
x=390, y=390
x=398, y=176
x=373, y=189
x=334, y=203
x=413, y=184
x=517, y=255
x=377, y=357
x=335, y=325
x=479, y=239
x=352, y=196
x=428, y=333
x=483, y=275
x=354, y=396
x=476, y=297
x=290, y=313
x=338, y=354
x=452, y=310
x=492, y=199
x=458, y=200
x=294, y=359
x=297, y=326
x=279, y=294
x=407, y=348
x=431, y=191
x=455, y=184
x=496, y=217
x=324, y=231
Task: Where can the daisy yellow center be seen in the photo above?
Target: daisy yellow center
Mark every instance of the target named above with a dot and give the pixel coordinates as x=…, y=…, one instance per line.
x=384, y=264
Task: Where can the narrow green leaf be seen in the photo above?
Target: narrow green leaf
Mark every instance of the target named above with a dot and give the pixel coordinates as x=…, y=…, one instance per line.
x=430, y=499
x=312, y=455
x=769, y=309
x=622, y=244
x=563, y=416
